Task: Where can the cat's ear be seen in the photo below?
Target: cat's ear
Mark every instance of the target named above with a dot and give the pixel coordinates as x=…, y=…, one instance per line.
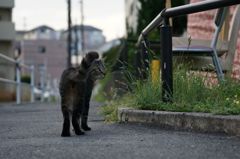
x=89, y=58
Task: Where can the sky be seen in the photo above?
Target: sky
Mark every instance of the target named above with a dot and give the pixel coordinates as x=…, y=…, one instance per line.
x=108, y=15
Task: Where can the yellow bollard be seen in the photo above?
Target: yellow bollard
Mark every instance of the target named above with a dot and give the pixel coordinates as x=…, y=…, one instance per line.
x=155, y=71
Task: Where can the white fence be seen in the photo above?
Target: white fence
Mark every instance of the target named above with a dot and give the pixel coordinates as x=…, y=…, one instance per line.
x=17, y=82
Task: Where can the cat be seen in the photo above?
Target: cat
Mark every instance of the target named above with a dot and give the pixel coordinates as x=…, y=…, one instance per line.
x=75, y=89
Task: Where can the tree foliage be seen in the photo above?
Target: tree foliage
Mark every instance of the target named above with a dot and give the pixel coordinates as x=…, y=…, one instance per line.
x=148, y=11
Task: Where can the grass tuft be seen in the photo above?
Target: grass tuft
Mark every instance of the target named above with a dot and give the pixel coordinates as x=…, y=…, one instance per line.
x=191, y=94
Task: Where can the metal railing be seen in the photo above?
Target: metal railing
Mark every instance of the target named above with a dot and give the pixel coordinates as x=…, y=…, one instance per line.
x=18, y=82
x=162, y=21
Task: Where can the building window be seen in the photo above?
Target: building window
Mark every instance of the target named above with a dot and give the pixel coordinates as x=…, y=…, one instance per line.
x=42, y=49
x=43, y=30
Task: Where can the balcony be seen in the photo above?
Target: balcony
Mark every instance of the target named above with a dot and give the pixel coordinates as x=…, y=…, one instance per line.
x=7, y=31
x=6, y=3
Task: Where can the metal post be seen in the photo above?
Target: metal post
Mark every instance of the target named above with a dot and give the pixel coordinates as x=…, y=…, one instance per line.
x=18, y=80
x=32, y=84
x=69, y=63
x=82, y=28
x=143, y=61
x=42, y=81
x=76, y=44
x=137, y=62
x=166, y=64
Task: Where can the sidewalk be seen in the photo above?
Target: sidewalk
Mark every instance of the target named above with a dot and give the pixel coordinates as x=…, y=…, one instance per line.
x=32, y=131
x=198, y=122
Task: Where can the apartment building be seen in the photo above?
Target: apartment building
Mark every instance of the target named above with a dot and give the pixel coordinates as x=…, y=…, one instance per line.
x=48, y=54
x=46, y=48
x=42, y=48
x=43, y=32
x=7, y=36
x=93, y=38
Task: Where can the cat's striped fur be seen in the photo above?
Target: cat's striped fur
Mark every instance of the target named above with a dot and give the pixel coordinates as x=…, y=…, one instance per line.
x=75, y=89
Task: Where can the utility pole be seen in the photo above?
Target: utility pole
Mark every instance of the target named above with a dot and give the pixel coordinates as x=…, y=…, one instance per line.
x=76, y=43
x=24, y=23
x=82, y=26
x=69, y=39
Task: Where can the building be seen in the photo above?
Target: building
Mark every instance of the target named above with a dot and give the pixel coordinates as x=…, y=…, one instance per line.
x=7, y=36
x=47, y=55
x=46, y=49
x=93, y=38
x=43, y=48
x=40, y=32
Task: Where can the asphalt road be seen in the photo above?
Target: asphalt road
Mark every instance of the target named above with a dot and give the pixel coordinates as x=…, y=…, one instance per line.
x=33, y=132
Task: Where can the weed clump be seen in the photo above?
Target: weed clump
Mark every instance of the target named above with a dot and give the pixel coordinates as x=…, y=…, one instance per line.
x=191, y=94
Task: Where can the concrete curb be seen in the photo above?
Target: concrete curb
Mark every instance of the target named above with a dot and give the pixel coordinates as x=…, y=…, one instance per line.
x=199, y=122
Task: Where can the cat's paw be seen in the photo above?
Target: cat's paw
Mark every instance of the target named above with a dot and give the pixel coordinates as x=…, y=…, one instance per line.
x=79, y=133
x=65, y=134
x=86, y=128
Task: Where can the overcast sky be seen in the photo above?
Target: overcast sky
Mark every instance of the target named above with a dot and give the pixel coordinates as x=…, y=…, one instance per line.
x=108, y=15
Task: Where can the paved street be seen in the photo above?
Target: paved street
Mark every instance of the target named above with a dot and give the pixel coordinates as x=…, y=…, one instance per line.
x=33, y=131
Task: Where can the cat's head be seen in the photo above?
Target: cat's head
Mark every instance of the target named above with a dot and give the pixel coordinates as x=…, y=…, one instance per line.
x=97, y=70
x=89, y=58
x=94, y=65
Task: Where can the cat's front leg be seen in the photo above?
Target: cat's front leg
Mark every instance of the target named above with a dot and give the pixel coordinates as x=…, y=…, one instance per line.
x=84, y=117
x=75, y=123
x=66, y=123
x=76, y=115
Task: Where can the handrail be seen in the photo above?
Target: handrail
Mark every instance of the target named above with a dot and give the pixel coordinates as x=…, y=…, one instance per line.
x=198, y=7
x=7, y=58
x=7, y=81
x=14, y=61
x=18, y=82
x=183, y=10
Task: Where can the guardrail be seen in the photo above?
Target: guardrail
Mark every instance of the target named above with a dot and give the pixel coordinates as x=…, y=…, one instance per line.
x=18, y=82
x=162, y=21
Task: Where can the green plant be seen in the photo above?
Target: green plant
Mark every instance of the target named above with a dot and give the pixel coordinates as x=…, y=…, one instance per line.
x=26, y=79
x=102, y=94
x=109, y=110
x=147, y=94
x=191, y=94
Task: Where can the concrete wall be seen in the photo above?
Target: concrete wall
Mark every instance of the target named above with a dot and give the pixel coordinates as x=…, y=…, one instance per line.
x=7, y=31
x=5, y=14
x=7, y=70
x=7, y=36
x=7, y=3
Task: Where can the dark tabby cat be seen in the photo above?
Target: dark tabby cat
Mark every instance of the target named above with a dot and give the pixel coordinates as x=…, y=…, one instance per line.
x=75, y=88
